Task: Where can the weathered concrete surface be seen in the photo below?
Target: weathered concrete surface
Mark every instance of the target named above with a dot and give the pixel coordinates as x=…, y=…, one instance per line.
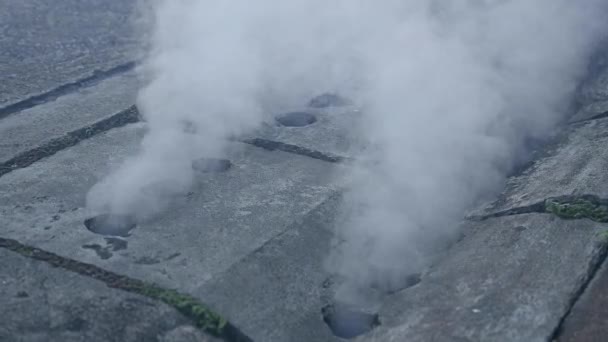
x=587, y=320
x=283, y=283
x=47, y=304
x=508, y=279
x=45, y=44
x=39, y=125
x=334, y=133
x=225, y=217
x=575, y=166
x=593, y=93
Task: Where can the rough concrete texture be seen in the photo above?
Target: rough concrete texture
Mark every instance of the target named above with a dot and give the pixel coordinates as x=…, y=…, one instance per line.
x=39, y=125
x=225, y=216
x=47, y=44
x=573, y=166
x=587, y=320
x=592, y=96
x=334, y=132
x=45, y=304
x=283, y=283
x=508, y=279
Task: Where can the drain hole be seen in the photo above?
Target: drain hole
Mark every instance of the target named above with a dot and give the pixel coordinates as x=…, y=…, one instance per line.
x=296, y=119
x=111, y=225
x=347, y=322
x=211, y=165
x=328, y=100
x=390, y=286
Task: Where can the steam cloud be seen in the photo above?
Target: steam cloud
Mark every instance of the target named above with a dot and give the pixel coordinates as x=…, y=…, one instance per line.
x=450, y=92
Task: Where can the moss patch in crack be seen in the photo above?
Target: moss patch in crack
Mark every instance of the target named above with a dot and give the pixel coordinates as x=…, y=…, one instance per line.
x=190, y=307
x=589, y=207
x=200, y=314
x=603, y=235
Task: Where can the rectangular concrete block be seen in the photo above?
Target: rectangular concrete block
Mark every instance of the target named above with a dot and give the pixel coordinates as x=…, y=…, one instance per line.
x=39, y=125
x=224, y=218
x=573, y=166
x=41, y=303
x=509, y=279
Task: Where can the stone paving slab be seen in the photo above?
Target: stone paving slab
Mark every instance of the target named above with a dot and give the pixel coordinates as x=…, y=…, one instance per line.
x=39, y=125
x=41, y=303
x=47, y=44
x=509, y=279
x=575, y=166
x=334, y=132
x=276, y=293
x=587, y=320
x=225, y=217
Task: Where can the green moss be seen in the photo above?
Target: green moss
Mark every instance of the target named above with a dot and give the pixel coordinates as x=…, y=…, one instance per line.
x=578, y=208
x=202, y=316
x=187, y=305
x=603, y=235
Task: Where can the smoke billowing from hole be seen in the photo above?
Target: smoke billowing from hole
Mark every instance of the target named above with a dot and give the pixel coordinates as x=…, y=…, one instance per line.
x=348, y=322
x=111, y=225
x=450, y=90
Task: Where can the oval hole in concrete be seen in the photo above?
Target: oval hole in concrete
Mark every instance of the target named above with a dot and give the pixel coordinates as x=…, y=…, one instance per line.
x=390, y=286
x=296, y=119
x=347, y=322
x=111, y=225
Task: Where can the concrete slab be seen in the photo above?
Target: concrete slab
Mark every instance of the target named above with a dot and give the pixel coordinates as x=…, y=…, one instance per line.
x=46, y=44
x=586, y=321
x=276, y=293
x=225, y=217
x=334, y=131
x=41, y=124
x=47, y=304
x=575, y=166
x=509, y=279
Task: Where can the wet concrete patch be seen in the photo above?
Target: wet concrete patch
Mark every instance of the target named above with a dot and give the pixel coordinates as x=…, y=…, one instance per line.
x=117, y=244
x=103, y=252
x=348, y=322
x=211, y=165
x=296, y=119
x=111, y=225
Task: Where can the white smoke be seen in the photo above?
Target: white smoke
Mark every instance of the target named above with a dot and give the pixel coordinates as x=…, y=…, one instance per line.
x=450, y=90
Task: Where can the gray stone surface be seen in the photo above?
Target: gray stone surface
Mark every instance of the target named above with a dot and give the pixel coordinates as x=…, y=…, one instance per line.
x=508, y=279
x=334, y=132
x=587, y=320
x=46, y=43
x=38, y=125
x=225, y=217
x=577, y=165
x=41, y=303
x=277, y=292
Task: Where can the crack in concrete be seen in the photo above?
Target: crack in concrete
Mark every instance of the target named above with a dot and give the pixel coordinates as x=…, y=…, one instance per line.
x=27, y=158
x=64, y=89
x=595, y=117
x=132, y=115
x=594, y=266
x=568, y=207
x=190, y=307
x=272, y=145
